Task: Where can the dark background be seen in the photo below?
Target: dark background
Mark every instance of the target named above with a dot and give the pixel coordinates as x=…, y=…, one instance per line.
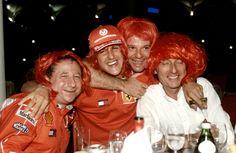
x=27, y=20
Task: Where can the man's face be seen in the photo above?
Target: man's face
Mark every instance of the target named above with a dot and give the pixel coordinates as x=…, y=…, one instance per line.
x=170, y=73
x=66, y=79
x=110, y=59
x=138, y=53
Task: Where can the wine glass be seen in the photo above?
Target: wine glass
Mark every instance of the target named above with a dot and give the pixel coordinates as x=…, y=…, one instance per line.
x=194, y=133
x=157, y=139
x=175, y=137
x=116, y=141
x=219, y=132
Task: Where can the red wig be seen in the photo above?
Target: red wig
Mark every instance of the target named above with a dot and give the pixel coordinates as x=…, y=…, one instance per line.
x=139, y=27
x=45, y=66
x=179, y=46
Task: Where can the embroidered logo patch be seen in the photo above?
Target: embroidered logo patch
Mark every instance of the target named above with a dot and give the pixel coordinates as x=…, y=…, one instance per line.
x=52, y=133
x=127, y=99
x=20, y=112
x=21, y=127
x=48, y=118
x=102, y=102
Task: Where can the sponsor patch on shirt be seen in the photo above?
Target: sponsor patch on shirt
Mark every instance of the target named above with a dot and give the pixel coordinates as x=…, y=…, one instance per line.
x=21, y=127
x=48, y=117
x=21, y=113
x=127, y=99
x=102, y=102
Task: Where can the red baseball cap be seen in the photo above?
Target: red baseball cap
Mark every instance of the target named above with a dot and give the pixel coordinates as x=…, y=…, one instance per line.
x=104, y=36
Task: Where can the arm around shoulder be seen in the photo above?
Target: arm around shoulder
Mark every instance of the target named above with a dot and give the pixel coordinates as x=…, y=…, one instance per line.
x=102, y=80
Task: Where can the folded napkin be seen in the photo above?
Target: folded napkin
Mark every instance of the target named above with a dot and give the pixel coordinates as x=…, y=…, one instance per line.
x=231, y=148
x=137, y=142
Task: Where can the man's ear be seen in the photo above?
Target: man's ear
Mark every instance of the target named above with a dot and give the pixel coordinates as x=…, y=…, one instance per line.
x=47, y=78
x=155, y=72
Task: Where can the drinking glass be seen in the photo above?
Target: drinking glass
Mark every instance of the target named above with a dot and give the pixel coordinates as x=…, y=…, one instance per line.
x=83, y=138
x=157, y=139
x=116, y=141
x=219, y=132
x=175, y=137
x=235, y=133
x=194, y=133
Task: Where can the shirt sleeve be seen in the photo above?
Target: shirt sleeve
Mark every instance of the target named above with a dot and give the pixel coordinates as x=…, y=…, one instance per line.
x=17, y=129
x=215, y=111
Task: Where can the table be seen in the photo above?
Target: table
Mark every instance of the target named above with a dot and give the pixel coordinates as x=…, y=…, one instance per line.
x=190, y=151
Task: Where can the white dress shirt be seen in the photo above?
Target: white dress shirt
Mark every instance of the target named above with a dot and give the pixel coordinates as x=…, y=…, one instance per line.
x=159, y=110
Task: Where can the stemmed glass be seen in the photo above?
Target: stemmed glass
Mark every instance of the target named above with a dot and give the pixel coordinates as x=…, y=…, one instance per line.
x=175, y=137
x=157, y=139
x=116, y=141
x=219, y=132
x=194, y=133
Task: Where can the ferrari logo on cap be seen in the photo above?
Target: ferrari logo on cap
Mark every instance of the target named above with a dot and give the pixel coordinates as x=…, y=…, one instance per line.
x=103, y=32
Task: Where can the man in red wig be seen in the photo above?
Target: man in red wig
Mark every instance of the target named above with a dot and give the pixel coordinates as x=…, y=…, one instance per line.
x=176, y=58
x=65, y=75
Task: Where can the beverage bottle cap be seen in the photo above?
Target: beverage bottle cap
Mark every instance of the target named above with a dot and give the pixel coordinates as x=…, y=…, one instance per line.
x=139, y=123
x=138, y=118
x=206, y=125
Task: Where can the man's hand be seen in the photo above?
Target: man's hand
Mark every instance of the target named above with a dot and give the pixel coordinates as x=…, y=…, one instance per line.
x=39, y=101
x=29, y=86
x=134, y=87
x=194, y=95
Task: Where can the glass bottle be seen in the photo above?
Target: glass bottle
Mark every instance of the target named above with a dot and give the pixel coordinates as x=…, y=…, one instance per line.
x=206, y=142
x=139, y=123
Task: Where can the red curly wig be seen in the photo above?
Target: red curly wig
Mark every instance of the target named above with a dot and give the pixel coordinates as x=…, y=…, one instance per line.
x=44, y=66
x=179, y=46
x=139, y=27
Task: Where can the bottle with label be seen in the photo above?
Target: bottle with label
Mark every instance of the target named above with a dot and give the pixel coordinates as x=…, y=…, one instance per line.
x=139, y=123
x=206, y=142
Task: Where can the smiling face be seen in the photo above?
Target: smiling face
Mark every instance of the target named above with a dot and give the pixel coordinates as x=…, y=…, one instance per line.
x=138, y=53
x=110, y=59
x=170, y=73
x=66, y=80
